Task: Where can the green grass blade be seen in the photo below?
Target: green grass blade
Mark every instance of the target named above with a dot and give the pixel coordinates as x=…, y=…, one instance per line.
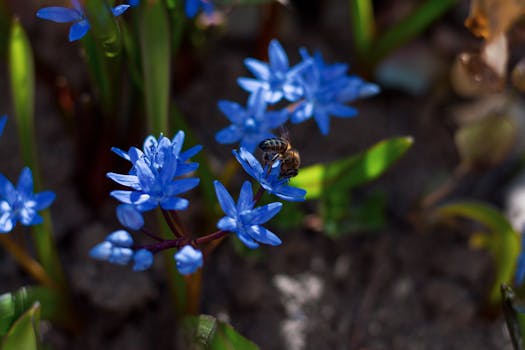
x=22, y=79
x=363, y=25
x=104, y=26
x=155, y=46
x=25, y=332
x=409, y=28
x=502, y=242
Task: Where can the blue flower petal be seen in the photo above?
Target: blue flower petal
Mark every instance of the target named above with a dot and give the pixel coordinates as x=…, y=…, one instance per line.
x=225, y=200
x=277, y=56
x=188, y=259
x=259, y=69
x=130, y=217
x=59, y=14
x=3, y=121
x=245, y=201
x=119, y=9
x=142, y=260
x=101, y=251
x=25, y=182
x=44, y=199
x=230, y=134
x=227, y=224
x=263, y=235
x=174, y=203
x=78, y=30
x=262, y=214
x=120, y=238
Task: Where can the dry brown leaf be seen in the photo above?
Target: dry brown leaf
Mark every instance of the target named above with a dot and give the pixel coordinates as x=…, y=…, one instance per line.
x=490, y=18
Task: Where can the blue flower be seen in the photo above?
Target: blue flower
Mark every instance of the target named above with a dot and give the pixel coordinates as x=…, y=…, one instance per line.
x=188, y=260
x=243, y=219
x=130, y=217
x=76, y=15
x=269, y=178
x=134, y=3
x=326, y=89
x=152, y=177
x=143, y=259
x=153, y=153
x=20, y=203
x=193, y=6
x=115, y=249
x=251, y=125
x=3, y=121
x=520, y=267
x=276, y=78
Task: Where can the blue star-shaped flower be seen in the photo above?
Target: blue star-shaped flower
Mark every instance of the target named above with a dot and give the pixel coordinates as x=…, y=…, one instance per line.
x=193, y=6
x=243, y=219
x=275, y=78
x=152, y=178
x=188, y=260
x=76, y=15
x=269, y=177
x=251, y=125
x=20, y=204
x=153, y=156
x=326, y=89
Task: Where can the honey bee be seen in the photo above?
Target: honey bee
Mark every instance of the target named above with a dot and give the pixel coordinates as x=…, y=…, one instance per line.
x=279, y=148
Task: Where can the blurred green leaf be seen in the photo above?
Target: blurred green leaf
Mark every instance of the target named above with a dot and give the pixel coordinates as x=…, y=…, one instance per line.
x=363, y=26
x=155, y=47
x=514, y=316
x=24, y=334
x=408, y=28
x=12, y=305
x=103, y=26
x=503, y=242
x=22, y=78
x=206, y=332
x=350, y=172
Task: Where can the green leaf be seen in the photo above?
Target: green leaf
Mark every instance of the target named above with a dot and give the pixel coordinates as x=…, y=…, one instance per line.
x=103, y=26
x=514, y=316
x=22, y=78
x=155, y=47
x=12, y=305
x=206, y=332
x=347, y=173
x=363, y=26
x=409, y=28
x=503, y=242
x=24, y=334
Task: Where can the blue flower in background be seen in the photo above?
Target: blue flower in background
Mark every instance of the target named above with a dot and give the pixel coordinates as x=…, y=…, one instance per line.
x=76, y=15
x=520, y=267
x=326, y=90
x=3, y=121
x=152, y=176
x=117, y=248
x=134, y=3
x=20, y=204
x=153, y=153
x=275, y=78
x=243, y=219
x=251, y=125
x=188, y=260
x=269, y=179
x=193, y=6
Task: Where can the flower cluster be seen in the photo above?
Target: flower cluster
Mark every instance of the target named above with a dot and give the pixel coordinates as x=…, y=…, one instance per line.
x=159, y=173
x=19, y=203
x=81, y=26
x=311, y=88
